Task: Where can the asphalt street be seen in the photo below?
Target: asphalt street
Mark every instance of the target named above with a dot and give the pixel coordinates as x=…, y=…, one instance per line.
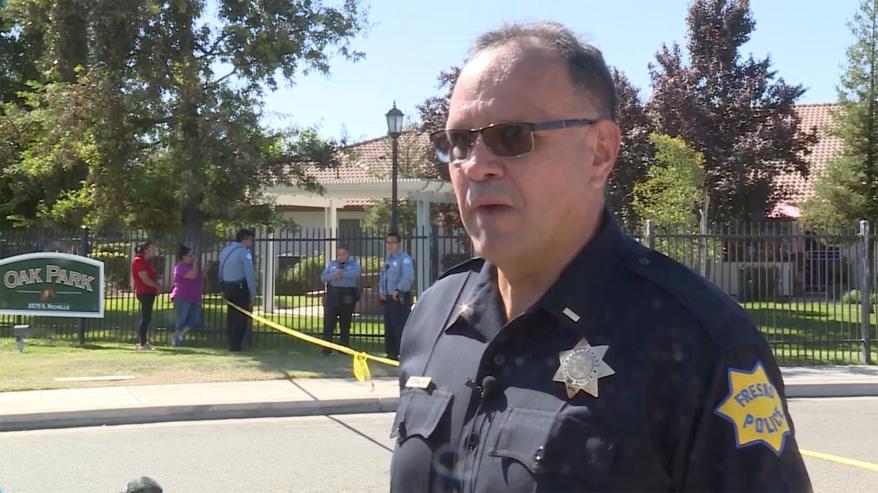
x=332, y=453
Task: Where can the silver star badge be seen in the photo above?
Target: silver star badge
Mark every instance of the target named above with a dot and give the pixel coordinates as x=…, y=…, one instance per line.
x=582, y=367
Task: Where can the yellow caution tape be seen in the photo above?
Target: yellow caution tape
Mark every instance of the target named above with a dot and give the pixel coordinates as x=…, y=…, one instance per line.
x=361, y=359
x=841, y=460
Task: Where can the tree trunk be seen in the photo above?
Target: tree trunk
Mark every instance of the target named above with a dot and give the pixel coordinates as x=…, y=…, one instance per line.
x=191, y=98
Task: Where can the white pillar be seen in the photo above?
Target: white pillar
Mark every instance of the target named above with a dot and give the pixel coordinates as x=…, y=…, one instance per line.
x=331, y=226
x=425, y=233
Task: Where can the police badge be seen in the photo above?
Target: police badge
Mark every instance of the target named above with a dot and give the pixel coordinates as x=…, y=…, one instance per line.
x=582, y=367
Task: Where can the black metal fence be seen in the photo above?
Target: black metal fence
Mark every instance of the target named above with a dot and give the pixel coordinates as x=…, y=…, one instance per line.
x=812, y=293
x=288, y=267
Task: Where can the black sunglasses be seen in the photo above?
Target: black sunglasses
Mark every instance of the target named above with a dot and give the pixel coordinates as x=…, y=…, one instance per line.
x=511, y=139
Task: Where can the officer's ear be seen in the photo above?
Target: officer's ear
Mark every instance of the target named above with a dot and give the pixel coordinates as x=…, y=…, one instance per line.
x=605, y=142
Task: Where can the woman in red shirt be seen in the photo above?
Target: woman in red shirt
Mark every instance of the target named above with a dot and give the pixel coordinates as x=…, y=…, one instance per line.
x=146, y=287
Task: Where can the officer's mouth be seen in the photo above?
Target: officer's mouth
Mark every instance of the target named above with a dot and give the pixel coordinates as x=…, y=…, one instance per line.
x=490, y=206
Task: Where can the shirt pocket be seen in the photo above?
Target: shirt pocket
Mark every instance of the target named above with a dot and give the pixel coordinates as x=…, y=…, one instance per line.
x=419, y=414
x=559, y=452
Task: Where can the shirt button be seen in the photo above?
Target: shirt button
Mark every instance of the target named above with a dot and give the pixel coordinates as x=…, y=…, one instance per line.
x=500, y=360
x=643, y=261
x=538, y=457
x=472, y=441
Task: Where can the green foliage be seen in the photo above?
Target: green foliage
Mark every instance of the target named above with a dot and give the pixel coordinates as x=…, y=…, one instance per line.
x=671, y=193
x=855, y=297
x=301, y=278
x=116, y=259
x=378, y=216
x=131, y=123
x=847, y=190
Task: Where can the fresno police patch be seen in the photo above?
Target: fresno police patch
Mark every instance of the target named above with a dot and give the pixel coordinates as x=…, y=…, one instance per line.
x=755, y=409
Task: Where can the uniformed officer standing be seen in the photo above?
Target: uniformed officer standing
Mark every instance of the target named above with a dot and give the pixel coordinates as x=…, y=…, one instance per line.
x=395, y=291
x=341, y=277
x=238, y=281
x=571, y=358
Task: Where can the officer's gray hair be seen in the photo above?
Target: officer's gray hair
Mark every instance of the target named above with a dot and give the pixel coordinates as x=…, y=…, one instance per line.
x=588, y=70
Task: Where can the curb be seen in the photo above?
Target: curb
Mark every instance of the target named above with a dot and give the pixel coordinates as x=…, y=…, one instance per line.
x=202, y=412
x=142, y=415
x=834, y=389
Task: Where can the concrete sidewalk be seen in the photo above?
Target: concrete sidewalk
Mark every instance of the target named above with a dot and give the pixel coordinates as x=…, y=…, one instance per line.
x=298, y=397
x=39, y=409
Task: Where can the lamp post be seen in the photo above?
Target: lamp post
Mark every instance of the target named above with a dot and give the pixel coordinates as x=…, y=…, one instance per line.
x=394, y=130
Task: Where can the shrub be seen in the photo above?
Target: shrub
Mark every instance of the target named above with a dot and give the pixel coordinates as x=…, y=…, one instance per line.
x=853, y=297
x=302, y=277
x=117, y=264
x=758, y=283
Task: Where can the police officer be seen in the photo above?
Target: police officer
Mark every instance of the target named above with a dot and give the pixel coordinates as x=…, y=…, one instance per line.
x=238, y=281
x=571, y=358
x=342, y=293
x=394, y=291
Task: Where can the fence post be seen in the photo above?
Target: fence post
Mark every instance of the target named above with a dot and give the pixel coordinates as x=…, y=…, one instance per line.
x=268, y=262
x=865, y=284
x=650, y=234
x=83, y=251
x=434, y=253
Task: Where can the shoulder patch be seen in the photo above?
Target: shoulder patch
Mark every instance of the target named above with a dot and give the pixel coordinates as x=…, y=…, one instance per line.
x=755, y=410
x=472, y=265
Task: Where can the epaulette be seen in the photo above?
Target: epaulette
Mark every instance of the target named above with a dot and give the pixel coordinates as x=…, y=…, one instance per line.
x=724, y=320
x=472, y=265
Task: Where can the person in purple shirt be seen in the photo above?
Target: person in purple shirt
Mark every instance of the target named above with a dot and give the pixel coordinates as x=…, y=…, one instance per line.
x=186, y=295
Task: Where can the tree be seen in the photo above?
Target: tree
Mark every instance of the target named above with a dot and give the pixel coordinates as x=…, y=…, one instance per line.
x=378, y=217
x=732, y=109
x=635, y=155
x=671, y=193
x=672, y=197
x=847, y=190
x=434, y=110
x=135, y=124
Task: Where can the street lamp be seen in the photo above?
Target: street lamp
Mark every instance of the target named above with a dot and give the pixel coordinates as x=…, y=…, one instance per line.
x=394, y=129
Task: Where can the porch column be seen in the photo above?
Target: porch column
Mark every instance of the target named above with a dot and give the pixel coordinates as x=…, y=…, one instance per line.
x=331, y=226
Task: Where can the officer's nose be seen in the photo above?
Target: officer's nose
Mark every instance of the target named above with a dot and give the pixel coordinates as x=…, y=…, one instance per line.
x=481, y=163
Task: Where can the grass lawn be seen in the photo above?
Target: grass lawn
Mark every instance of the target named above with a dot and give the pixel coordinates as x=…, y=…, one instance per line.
x=806, y=332
x=803, y=333
x=43, y=360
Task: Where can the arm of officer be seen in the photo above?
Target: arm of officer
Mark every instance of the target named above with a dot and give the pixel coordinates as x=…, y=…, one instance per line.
x=354, y=272
x=408, y=275
x=328, y=272
x=744, y=439
x=382, y=279
x=249, y=272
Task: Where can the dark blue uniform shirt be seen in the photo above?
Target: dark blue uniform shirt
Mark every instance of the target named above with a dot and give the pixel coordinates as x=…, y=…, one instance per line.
x=695, y=404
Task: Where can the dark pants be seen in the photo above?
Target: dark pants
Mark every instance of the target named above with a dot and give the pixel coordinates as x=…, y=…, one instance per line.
x=396, y=313
x=146, y=302
x=339, y=308
x=237, y=322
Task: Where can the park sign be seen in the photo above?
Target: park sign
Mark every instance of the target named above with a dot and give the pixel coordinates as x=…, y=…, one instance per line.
x=52, y=285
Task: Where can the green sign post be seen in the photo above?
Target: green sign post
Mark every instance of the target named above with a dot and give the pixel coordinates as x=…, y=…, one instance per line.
x=52, y=285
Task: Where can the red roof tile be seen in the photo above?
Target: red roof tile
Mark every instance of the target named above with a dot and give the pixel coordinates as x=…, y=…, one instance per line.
x=798, y=188
x=371, y=159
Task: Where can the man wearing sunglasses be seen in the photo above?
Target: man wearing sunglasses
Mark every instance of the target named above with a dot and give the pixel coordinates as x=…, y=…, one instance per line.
x=570, y=358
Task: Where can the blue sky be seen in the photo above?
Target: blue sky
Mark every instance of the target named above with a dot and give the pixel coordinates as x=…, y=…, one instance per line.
x=411, y=41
